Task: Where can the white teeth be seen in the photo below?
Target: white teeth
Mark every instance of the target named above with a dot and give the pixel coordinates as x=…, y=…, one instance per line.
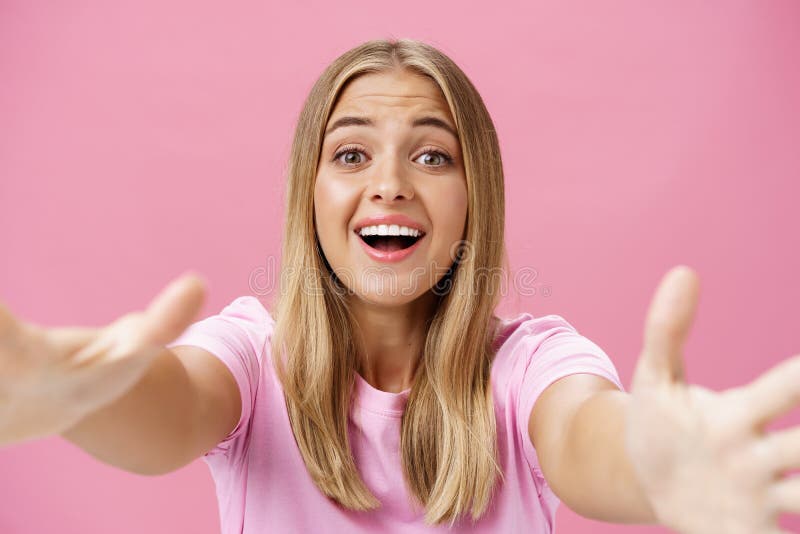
x=389, y=229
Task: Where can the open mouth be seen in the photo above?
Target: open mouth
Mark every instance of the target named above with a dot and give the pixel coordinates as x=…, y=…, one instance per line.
x=390, y=243
x=389, y=238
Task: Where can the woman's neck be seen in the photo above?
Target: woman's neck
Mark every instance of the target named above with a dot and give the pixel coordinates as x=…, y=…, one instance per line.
x=392, y=340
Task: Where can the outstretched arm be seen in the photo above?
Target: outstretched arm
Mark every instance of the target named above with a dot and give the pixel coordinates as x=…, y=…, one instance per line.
x=577, y=428
x=116, y=391
x=691, y=459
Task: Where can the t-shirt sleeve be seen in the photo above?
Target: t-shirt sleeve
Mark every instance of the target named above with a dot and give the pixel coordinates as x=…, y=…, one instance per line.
x=552, y=350
x=238, y=337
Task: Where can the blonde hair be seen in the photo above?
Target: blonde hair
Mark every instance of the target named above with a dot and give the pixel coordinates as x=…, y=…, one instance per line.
x=448, y=432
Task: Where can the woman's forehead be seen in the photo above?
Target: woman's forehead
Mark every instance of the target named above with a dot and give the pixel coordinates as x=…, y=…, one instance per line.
x=397, y=88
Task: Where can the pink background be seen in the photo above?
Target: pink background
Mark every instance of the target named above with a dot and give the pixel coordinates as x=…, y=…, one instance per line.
x=141, y=139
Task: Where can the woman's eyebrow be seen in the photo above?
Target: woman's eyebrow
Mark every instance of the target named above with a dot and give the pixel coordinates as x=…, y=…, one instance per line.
x=437, y=123
x=364, y=121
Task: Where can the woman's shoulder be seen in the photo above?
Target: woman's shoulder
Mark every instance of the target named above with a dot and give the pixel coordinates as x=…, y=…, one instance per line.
x=248, y=307
x=242, y=327
x=525, y=342
x=252, y=318
x=527, y=329
x=532, y=352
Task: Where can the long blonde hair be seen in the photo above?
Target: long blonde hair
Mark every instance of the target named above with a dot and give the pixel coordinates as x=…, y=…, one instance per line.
x=448, y=433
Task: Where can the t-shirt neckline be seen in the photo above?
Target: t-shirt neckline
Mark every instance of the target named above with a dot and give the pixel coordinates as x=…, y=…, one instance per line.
x=393, y=404
x=379, y=401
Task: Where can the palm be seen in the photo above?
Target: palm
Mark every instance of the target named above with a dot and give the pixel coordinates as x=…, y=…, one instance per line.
x=701, y=456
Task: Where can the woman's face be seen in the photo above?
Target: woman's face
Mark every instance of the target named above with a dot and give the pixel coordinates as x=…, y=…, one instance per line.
x=390, y=164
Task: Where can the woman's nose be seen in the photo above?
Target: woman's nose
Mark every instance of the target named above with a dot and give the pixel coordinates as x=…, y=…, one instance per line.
x=389, y=182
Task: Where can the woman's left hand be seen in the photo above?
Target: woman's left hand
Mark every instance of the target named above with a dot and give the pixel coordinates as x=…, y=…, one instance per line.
x=703, y=457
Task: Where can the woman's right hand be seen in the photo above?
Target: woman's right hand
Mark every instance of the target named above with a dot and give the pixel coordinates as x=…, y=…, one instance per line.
x=50, y=378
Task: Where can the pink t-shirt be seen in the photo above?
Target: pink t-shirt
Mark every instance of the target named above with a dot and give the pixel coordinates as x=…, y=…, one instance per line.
x=261, y=481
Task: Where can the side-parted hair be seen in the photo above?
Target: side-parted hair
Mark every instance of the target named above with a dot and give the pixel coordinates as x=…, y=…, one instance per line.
x=448, y=429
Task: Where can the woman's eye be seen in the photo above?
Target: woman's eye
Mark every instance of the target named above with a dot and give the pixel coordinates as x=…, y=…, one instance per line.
x=434, y=158
x=349, y=156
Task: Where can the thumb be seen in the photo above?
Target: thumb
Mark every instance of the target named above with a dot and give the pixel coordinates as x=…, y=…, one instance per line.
x=10, y=324
x=669, y=319
x=7, y=320
x=175, y=307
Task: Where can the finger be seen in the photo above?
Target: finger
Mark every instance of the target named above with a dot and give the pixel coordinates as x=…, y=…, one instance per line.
x=174, y=308
x=166, y=317
x=71, y=339
x=7, y=320
x=669, y=319
x=773, y=393
x=785, y=495
x=95, y=350
x=779, y=451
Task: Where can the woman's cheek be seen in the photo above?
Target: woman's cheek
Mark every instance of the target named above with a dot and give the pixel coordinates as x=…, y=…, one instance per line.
x=335, y=201
x=325, y=213
x=448, y=222
x=453, y=212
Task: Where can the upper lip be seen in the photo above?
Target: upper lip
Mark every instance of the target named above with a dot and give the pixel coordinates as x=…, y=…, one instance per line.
x=395, y=218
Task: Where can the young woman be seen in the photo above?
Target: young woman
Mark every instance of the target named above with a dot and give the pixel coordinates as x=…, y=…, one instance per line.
x=381, y=393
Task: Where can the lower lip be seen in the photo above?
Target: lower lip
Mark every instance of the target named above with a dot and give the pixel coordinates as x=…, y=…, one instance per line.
x=389, y=256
